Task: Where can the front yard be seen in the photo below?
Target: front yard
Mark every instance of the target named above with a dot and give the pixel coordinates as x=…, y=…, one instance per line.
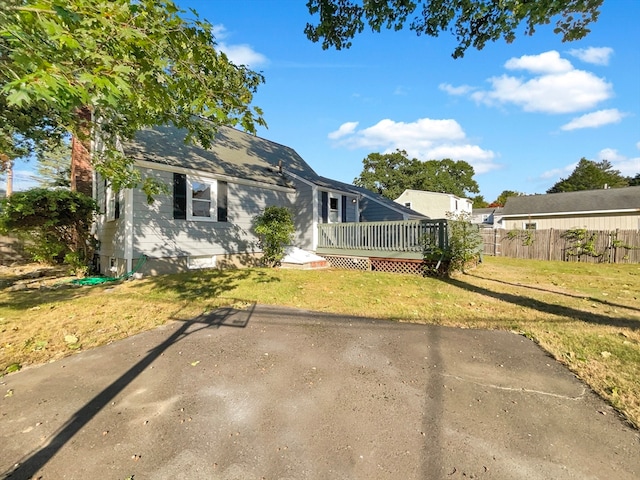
x=585, y=315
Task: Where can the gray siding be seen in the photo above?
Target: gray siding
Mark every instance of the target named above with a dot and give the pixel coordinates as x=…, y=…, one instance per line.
x=371, y=211
x=111, y=232
x=302, y=208
x=157, y=234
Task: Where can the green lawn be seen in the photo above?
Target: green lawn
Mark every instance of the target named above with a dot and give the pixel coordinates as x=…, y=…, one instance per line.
x=586, y=315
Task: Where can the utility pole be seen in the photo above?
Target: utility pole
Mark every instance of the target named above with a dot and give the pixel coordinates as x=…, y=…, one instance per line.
x=9, y=179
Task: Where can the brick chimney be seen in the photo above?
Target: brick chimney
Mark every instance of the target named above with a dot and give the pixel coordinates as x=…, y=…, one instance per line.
x=81, y=169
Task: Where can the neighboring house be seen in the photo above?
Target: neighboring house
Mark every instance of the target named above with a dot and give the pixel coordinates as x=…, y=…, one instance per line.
x=206, y=218
x=433, y=204
x=487, y=217
x=606, y=209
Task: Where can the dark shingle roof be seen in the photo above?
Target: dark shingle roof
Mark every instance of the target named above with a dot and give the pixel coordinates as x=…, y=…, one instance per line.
x=233, y=153
x=613, y=199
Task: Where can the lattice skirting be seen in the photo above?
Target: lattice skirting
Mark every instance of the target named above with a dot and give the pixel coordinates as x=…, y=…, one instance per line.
x=390, y=265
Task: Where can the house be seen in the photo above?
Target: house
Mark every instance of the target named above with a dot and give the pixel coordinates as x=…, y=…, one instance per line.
x=205, y=218
x=435, y=204
x=487, y=217
x=605, y=209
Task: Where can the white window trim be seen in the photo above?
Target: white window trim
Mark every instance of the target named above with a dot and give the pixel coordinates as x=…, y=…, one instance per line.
x=524, y=225
x=213, y=207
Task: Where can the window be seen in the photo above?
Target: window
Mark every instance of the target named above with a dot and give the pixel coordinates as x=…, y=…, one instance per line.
x=333, y=204
x=199, y=199
x=530, y=226
x=111, y=202
x=202, y=204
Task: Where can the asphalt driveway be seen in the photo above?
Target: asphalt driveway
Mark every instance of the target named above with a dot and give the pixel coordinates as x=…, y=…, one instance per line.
x=279, y=394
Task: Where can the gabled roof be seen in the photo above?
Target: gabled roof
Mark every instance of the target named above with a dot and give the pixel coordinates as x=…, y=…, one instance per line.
x=586, y=201
x=240, y=155
x=233, y=153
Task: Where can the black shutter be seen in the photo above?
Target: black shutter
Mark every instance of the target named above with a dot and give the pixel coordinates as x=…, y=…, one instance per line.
x=222, y=201
x=325, y=207
x=344, y=208
x=179, y=196
x=116, y=212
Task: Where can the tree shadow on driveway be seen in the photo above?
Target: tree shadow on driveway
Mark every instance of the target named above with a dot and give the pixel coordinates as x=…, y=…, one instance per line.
x=29, y=466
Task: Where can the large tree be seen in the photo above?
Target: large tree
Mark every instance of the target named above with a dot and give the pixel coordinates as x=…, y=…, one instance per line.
x=127, y=63
x=590, y=175
x=390, y=174
x=473, y=22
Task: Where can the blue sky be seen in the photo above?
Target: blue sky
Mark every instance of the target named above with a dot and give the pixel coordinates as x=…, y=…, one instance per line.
x=523, y=114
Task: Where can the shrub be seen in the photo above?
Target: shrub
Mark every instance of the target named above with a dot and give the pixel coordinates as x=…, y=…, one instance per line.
x=275, y=229
x=463, y=248
x=56, y=223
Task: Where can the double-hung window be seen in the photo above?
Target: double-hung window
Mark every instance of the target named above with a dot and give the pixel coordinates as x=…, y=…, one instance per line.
x=199, y=198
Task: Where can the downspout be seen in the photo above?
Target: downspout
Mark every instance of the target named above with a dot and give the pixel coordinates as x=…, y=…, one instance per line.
x=128, y=228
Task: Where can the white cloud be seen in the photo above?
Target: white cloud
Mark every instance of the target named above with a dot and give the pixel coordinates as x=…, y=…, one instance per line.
x=451, y=90
x=559, y=172
x=565, y=92
x=594, y=55
x=345, y=129
x=595, y=119
x=239, y=54
x=627, y=166
x=549, y=84
x=638, y=145
x=547, y=62
x=425, y=139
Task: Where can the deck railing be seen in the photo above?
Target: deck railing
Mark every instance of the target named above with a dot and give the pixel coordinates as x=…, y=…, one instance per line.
x=398, y=239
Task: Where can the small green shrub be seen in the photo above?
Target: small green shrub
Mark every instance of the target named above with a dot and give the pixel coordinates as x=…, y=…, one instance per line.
x=275, y=229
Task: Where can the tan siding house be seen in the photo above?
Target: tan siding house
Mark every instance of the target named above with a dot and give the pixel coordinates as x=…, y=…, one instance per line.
x=605, y=209
x=434, y=204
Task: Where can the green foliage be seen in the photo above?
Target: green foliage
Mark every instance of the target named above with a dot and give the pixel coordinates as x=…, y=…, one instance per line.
x=464, y=245
x=275, y=229
x=590, y=175
x=115, y=66
x=479, y=201
x=391, y=174
x=582, y=242
x=55, y=222
x=527, y=236
x=634, y=181
x=502, y=198
x=474, y=23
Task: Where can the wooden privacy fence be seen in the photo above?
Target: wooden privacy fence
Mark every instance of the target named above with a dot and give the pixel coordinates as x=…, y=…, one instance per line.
x=577, y=245
x=399, y=239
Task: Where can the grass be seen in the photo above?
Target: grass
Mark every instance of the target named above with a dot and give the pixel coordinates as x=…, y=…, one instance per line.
x=585, y=315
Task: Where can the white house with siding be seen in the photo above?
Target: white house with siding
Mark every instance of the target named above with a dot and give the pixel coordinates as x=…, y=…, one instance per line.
x=205, y=219
x=604, y=209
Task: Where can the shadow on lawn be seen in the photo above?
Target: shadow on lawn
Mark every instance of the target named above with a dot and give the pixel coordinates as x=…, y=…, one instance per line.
x=579, y=297
x=29, y=466
x=545, y=307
